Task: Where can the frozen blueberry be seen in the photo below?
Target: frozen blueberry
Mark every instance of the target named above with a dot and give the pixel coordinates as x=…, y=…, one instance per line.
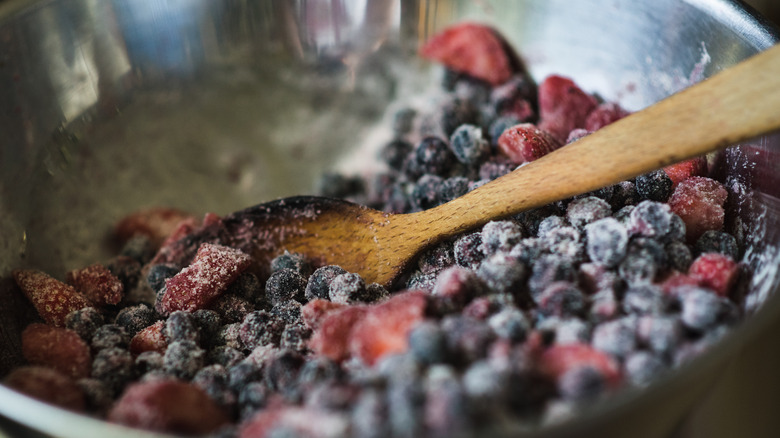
x=677, y=230
x=510, y=323
x=452, y=188
x=97, y=394
x=564, y=241
x=113, y=366
x=252, y=397
x=247, y=286
x=295, y=337
x=139, y=248
x=148, y=361
x=260, y=328
x=662, y=334
x=645, y=258
x=718, y=241
x=395, y=153
x=181, y=326
x=616, y=337
x=208, y=322
x=500, y=236
x=284, y=285
x=607, y=241
x=581, y=383
x=604, y=306
x=528, y=250
x=568, y=330
x=213, y=380
x=468, y=145
x=347, y=289
x=499, y=126
x=457, y=112
x=561, y=299
x=337, y=185
x=642, y=367
x=467, y=338
x=650, y=219
x=550, y=268
x=433, y=156
x=426, y=192
x=135, y=318
x=158, y=274
x=109, y=336
x=655, y=186
x=318, y=370
x=375, y=292
x=281, y=372
x=232, y=308
x=228, y=336
x=318, y=285
x=495, y=167
x=368, y=415
x=128, y=270
x=406, y=399
x=294, y=261
x=678, y=255
x=583, y=211
x=623, y=193
x=550, y=223
x=427, y=343
x=467, y=250
x=435, y=259
x=84, y=321
x=502, y=273
x=454, y=287
x=420, y=280
x=183, y=359
x=288, y=312
x=485, y=384
x=700, y=308
x=225, y=356
x=644, y=299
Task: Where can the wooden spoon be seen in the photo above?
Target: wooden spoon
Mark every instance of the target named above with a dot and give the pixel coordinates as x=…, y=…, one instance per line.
x=737, y=104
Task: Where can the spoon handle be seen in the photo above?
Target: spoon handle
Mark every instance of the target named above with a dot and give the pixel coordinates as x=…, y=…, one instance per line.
x=737, y=104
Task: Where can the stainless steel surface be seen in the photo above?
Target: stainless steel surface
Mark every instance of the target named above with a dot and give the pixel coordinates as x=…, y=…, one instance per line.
x=108, y=106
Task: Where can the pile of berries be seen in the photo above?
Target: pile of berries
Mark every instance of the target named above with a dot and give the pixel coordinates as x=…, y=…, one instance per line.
x=524, y=320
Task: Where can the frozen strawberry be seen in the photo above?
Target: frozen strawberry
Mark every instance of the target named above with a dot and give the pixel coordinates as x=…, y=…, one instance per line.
x=315, y=311
x=297, y=421
x=603, y=115
x=676, y=280
x=715, y=271
x=168, y=406
x=474, y=49
x=156, y=223
x=699, y=202
x=563, y=106
x=560, y=358
x=149, y=339
x=332, y=337
x=197, y=285
x=57, y=348
x=47, y=385
x=686, y=169
x=525, y=142
x=97, y=283
x=385, y=328
x=52, y=298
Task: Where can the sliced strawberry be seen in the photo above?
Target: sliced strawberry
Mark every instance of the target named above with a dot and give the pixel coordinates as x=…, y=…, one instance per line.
x=168, y=406
x=52, y=298
x=603, y=115
x=332, y=337
x=563, y=106
x=560, y=358
x=97, y=283
x=47, y=385
x=715, y=271
x=156, y=223
x=474, y=49
x=315, y=311
x=525, y=142
x=385, y=328
x=149, y=339
x=686, y=169
x=197, y=285
x=699, y=202
x=57, y=348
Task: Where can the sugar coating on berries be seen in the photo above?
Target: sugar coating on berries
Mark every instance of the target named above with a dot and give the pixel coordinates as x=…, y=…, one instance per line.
x=213, y=269
x=607, y=241
x=58, y=348
x=699, y=201
x=500, y=236
x=583, y=211
x=53, y=299
x=347, y=289
x=525, y=142
x=97, y=284
x=468, y=145
x=715, y=271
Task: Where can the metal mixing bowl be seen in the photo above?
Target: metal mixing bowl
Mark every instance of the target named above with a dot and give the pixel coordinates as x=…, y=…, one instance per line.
x=109, y=106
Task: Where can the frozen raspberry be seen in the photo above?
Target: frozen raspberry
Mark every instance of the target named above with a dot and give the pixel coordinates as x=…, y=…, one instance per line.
x=563, y=106
x=97, y=284
x=677, y=280
x=213, y=269
x=715, y=271
x=385, y=327
x=525, y=142
x=114, y=367
x=84, y=322
x=699, y=202
x=47, y=385
x=168, y=406
x=603, y=115
x=347, y=289
x=500, y=236
x=718, y=241
x=136, y=318
x=315, y=310
x=559, y=359
x=149, y=339
x=468, y=145
x=607, y=241
x=57, y=348
x=583, y=211
x=474, y=49
x=654, y=186
x=686, y=169
x=154, y=223
x=53, y=299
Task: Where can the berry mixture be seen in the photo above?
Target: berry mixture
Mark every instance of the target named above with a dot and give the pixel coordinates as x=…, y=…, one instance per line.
x=524, y=320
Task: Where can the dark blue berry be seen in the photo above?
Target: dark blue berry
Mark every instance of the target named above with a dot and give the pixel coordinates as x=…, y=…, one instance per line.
x=433, y=156
x=368, y=416
x=503, y=273
x=395, y=153
x=583, y=211
x=564, y=241
x=281, y=372
x=548, y=269
x=467, y=250
x=294, y=261
x=225, y=356
x=97, y=394
x=336, y=185
x=284, y=285
x=229, y=336
x=208, y=322
x=549, y=224
x=500, y=236
x=468, y=145
x=318, y=370
x=375, y=292
x=452, y=188
x=645, y=258
x=486, y=385
x=643, y=367
x=644, y=299
x=426, y=192
x=467, y=338
x=181, y=326
x=295, y=337
x=148, y=361
x=158, y=274
x=678, y=255
x=403, y=121
x=700, y=308
x=617, y=338
x=127, y=270
x=109, y=336
x=243, y=374
x=655, y=186
x=288, y=312
x=457, y=112
x=495, y=167
x=135, y=318
x=139, y=248
x=252, y=397
x=85, y=322
x=607, y=241
x=510, y=323
x=347, y=289
x=718, y=241
x=318, y=286
x=437, y=258
x=231, y=308
x=213, y=380
x=528, y=250
x=114, y=367
x=183, y=359
x=500, y=125
x=561, y=299
x=661, y=334
x=428, y=343
x=406, y=399
x=624, y=193
x=650, y=219
x=247, y=286
x=260, y=328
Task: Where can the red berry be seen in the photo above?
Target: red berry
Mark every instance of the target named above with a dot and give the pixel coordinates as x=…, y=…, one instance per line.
x=699, y=202
x=97, y=283
x=563, y=106
x=715, y=271
x=474, y=49
x=315, y=311
x=156, y=223
x=52, y=298
x=525, y=142
x=331, y=339
x=47, y=385
x=677, y=279
x=149, y=339
x=168, y=406
x=385, y=328
x=686, y=169
x=197, y=285
x=558, y=359
x=603, y=115
x=57, y=348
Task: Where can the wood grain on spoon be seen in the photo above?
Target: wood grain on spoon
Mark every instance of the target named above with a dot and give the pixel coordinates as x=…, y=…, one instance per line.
x=739, y=103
